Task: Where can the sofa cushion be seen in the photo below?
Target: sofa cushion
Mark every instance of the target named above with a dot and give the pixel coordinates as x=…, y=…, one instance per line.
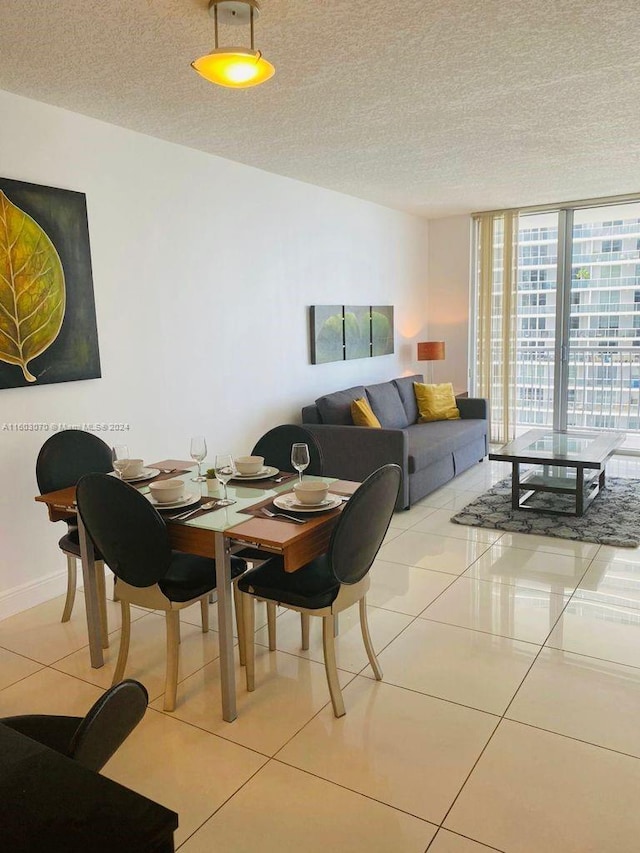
x=336, y=408
x=362, y=414
x=428, y=443
x=436, y=402
x=405, y=388
x=387, y=405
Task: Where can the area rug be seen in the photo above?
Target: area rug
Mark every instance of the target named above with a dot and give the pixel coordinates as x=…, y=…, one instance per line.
x=612, y=519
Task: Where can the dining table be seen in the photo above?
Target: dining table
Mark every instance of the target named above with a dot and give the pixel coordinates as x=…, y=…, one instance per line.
x=215, y=534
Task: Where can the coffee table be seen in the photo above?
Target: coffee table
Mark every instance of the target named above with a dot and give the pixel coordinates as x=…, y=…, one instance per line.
x=569, y=463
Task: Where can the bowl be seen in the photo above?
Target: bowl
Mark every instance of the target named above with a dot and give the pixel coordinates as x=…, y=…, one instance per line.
x=310, y=493
x=133, y=468
x=167, y=491
x=249, y=464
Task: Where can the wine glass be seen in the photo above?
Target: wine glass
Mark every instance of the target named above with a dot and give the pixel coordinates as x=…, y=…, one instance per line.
x=225, y=469
x=120, y=457
x=300, y=458
x=198, y=451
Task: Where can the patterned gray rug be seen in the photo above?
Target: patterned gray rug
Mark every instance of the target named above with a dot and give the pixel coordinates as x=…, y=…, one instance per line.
x=612, y=519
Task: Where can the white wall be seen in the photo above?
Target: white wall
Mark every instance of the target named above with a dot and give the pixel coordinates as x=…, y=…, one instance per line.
x=217, y=261
x=449, y=281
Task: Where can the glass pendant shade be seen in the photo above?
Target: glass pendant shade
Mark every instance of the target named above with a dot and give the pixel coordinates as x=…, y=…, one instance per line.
x=234, y=67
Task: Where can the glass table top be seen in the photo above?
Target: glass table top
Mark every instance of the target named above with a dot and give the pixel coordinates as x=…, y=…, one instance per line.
x=546, y=445
x=228, y=516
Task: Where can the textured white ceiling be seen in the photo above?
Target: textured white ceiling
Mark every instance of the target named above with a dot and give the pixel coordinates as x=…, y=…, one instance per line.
x=432, y=106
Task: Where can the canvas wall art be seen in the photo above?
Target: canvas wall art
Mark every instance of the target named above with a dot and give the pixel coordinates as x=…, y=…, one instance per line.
x=340, y=332
x=48, y=330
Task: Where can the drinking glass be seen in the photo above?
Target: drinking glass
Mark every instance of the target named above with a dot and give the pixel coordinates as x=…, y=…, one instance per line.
x=225, y=469
x=198, y=451
x=300, y=458
x=120, y=457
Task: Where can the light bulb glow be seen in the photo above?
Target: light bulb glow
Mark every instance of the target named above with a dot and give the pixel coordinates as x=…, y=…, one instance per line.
x=236, y=68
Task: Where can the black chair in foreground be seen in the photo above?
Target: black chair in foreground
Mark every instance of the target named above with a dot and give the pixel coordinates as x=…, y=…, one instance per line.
x=133, y=538
x=333, y=582
x=91, y=740
x=63, y=459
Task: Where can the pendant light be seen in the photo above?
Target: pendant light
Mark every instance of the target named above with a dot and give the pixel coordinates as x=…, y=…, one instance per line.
x=234, y=67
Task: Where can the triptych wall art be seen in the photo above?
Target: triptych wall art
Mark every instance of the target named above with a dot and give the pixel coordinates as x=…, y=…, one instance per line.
x=48, y=330
x=340, y=332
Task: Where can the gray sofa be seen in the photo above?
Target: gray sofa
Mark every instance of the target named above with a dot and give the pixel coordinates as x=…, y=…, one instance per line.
x=429, y=454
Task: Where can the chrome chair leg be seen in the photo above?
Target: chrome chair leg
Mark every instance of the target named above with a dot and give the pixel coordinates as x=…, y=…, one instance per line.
x=71, y=588
x=328, y=642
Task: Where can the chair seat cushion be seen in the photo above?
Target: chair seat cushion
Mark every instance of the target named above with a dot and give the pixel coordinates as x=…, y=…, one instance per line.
x=313, y=586
x=70, y=543
x=52, y=731
x=190, y=576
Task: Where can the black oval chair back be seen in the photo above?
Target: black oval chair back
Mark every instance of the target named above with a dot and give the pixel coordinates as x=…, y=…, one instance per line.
x=69, y=455
x=108, y=723
x=131, y=536
x=362, y=526
x=275, y=446
x=93, y=740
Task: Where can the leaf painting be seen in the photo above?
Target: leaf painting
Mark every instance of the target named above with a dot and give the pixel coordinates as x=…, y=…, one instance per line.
x=32, y=288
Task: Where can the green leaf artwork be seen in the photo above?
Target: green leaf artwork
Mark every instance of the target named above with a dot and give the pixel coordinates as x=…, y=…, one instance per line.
x=32, y=288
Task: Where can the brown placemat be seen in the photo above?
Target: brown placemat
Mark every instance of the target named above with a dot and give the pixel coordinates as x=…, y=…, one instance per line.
x=205, y=499
x=278, y=480
x=139, y=483
x=255, y=510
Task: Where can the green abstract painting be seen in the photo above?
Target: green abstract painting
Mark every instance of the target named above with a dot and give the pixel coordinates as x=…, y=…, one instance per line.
x=340, y=332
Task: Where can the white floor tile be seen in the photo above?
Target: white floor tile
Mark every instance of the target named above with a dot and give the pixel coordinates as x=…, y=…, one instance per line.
x=599, y=630
x=404, y=589
x=284, y=809
x=528, y=568
x=15, y=667
x=439, y=522
x=498, y=608
x=469, y=667
x=182, y=767
x=450, y=842
x=400, y=748
x=550, y=544
x=533, y=791
x=611, y=582
x=585, y=698
x=429, y=551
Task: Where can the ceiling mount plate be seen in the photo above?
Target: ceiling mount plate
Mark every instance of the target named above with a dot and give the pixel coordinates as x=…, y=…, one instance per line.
x=235, y=11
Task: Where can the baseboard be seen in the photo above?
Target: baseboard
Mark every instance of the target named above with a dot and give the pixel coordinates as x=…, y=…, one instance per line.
x=30, y=594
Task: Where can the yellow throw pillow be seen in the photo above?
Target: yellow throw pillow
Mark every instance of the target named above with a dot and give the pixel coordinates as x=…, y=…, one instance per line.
x=435, y=402
x=362, y=415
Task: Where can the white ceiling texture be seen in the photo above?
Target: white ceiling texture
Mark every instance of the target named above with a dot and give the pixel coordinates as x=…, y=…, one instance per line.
x=435, y=107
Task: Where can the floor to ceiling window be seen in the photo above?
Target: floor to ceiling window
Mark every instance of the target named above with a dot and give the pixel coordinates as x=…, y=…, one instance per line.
x=568, y=357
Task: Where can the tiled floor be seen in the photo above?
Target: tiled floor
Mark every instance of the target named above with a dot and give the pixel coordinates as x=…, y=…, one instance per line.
x=507, y=718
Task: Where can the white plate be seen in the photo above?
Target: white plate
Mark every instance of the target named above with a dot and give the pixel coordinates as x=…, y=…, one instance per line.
x=187, y=500
x=266, y=472
x=289, y=502
x=146, y=474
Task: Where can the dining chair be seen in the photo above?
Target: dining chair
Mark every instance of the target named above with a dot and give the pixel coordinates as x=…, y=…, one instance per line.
x=332, y=582
x=275, y=446
x=133, y=539
x=90, y=740
x=63, y=459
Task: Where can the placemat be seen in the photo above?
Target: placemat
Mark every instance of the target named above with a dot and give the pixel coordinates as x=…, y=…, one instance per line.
x=255, y=510
x=205, y=499
x=169, y=476
x=278, y=480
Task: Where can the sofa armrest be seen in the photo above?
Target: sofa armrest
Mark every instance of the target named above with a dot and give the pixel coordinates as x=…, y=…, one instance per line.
x=352, y=453
x=473, y=407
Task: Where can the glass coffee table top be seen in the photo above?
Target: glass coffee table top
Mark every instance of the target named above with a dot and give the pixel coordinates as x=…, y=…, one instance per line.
x=545, y=445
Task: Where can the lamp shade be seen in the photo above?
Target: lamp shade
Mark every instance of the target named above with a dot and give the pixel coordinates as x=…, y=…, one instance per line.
x=431, y=351
x=234, y=67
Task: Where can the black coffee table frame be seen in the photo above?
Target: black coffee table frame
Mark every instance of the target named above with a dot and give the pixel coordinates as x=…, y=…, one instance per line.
x=573, y=463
